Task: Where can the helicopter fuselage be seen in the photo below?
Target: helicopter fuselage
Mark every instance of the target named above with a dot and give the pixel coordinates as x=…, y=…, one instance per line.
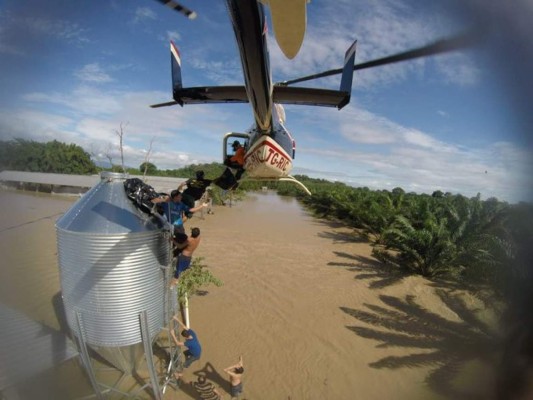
x=270, y=148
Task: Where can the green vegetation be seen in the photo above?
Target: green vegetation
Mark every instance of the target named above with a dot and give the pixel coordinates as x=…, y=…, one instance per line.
x=194, y=278
x=438, y=235
x=51, y=157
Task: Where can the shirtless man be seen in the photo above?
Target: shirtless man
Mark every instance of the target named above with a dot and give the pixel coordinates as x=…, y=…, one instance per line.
x=235, y=376
x=185, y=257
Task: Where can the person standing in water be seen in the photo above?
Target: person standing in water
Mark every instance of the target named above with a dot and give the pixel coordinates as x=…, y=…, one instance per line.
x=235, y=376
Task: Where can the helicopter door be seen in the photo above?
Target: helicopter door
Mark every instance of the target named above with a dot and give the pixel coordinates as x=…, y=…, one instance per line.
x=227, y=145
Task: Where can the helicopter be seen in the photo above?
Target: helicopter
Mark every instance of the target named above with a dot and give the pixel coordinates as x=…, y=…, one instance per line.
x=269, y=147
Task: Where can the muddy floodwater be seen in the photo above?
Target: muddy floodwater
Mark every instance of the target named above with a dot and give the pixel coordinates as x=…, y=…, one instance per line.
x=312, y=313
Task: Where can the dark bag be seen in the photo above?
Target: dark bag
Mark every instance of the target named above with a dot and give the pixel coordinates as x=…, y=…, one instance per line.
x=225, y=181
x=140, y=193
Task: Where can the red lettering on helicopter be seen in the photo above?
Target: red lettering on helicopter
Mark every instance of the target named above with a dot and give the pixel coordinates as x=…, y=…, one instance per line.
x=273, y=157
x=254, y=159
x=279, y=161
x=270, y=152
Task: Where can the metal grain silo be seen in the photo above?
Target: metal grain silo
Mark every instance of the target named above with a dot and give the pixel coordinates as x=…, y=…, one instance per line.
x=113, y=261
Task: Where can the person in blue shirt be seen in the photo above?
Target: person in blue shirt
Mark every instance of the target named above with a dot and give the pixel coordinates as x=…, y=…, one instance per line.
x=175, y=210
x=194, y=349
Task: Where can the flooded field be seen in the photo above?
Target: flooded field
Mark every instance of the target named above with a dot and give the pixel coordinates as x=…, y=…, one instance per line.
x=312, y=313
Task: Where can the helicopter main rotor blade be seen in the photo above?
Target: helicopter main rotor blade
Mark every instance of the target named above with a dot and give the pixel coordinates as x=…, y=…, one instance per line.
x=178, y=7
x=458, y=42
x=289, y=19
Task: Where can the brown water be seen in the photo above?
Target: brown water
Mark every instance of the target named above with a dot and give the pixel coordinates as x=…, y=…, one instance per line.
x=289, y=304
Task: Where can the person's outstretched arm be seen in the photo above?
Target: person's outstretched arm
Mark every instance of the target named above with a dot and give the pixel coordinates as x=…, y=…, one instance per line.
x=176, y=341
x=198, y=208
x=180, y=323
x=161, y=199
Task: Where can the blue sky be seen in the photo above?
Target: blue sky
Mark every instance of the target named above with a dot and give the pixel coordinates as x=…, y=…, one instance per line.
x=76, y=71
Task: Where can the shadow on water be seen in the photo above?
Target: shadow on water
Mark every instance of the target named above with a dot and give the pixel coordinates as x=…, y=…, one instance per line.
x=343, y=237
x=482, y=293
x=212, y=375
x=380, y=274
x=448, y=345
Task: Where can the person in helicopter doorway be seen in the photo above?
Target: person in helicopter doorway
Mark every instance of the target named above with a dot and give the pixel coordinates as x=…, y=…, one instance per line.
x=237, y=160
x=195, y=188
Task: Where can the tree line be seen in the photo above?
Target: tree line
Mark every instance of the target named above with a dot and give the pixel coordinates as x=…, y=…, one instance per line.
x=50, y=157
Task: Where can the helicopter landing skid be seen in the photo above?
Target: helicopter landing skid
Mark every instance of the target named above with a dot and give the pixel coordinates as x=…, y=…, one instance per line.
x=288, y=178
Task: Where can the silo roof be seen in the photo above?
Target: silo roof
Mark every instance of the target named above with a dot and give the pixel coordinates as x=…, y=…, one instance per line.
x=105, y=209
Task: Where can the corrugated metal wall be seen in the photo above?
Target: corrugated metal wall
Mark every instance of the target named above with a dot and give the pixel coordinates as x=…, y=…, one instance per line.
x=111, y=259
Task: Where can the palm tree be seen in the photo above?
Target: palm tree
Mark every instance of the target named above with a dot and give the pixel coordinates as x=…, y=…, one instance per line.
x=427, y=250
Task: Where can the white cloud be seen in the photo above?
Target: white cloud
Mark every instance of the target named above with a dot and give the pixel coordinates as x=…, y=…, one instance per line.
x=144, y=13
x=458, y=69
x=93, y=73
x=501, y=169
x=14, y=31
x=417, y=138
x=172, y=35
x=61, y=29
x=90, y=117
x=36, y=125
x=83, y=100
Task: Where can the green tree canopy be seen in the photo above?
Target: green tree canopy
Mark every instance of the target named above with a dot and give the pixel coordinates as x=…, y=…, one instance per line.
x=151, y=169
x=51, y=157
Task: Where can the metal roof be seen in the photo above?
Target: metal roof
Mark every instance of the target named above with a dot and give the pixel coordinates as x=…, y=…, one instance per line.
x=106, y=210
x=159, y=183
